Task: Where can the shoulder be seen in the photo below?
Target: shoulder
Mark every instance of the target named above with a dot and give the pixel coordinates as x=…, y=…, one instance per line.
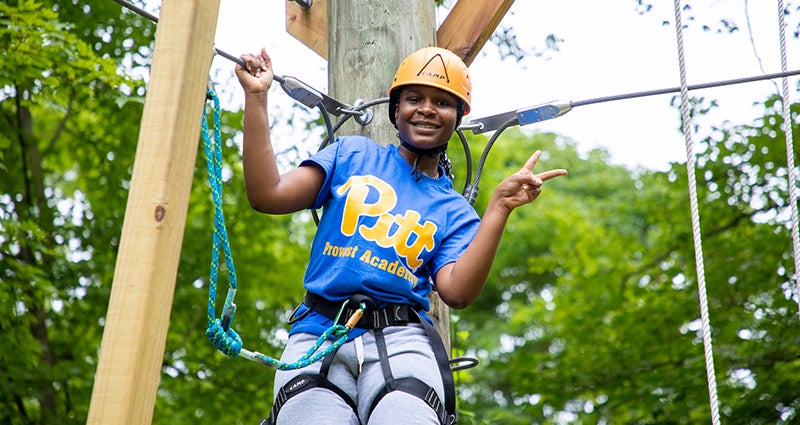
x=355, y=150
x=356, y=143
x=347, y=151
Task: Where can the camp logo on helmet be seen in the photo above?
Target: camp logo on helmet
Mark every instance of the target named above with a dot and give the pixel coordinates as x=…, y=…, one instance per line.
x=432, y=73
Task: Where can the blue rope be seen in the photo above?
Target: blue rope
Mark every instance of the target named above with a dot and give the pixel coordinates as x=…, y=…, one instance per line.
x=221, y=336
x=219, y=331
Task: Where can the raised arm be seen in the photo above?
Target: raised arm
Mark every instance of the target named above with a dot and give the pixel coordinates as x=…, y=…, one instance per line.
x=460, y=283
x=267, y=189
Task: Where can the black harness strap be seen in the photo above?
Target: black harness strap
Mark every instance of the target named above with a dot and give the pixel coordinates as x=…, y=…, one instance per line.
x=447, y=373
x=383, y=356
x=419, y=390
x=446, y=413
x=376, y=319
x=304, y=382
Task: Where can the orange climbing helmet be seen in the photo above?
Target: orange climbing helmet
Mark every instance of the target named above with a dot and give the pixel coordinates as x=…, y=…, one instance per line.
x=434, y=67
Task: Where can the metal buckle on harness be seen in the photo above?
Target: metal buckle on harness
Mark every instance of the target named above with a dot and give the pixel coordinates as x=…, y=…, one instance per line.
x=295, y=318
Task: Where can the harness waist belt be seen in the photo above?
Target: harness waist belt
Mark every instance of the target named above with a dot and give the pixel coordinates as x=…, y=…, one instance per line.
x=374, y=318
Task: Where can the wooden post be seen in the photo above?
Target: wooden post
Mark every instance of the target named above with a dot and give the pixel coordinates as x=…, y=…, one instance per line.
x=469, y=25
x=466, y=29
x=366, y=42
x=136, y=326
x=310, y=26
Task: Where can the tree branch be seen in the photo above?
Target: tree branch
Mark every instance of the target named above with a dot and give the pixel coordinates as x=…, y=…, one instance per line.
x=63, y=122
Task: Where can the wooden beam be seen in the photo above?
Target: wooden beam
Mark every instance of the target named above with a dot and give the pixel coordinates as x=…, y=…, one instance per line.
x=310, y=26
x=136, y=325
x=469, y=26
x=466, y=29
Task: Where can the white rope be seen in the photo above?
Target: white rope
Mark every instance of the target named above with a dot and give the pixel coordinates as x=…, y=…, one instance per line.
x=698, y=244
x=787, y=131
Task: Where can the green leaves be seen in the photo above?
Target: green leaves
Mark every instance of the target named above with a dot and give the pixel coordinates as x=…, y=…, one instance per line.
x=596, y=291
x=42, y=51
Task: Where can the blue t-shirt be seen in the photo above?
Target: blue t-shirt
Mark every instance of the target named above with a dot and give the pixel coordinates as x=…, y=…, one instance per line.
x=382, y=233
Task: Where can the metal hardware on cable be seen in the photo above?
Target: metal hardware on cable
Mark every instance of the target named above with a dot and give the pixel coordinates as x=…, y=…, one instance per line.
x=219, y=331
x=524, y=116
x=471, y=189
x=304, y=4
x=698, y=244
x=463, y=363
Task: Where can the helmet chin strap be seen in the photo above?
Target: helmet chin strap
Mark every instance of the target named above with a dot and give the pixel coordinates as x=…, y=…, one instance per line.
x=430, y=152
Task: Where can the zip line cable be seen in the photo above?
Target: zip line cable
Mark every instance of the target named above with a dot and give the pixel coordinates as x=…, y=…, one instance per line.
x=311, y=97
x=698, y=244
x=787, y=132
x=145, y=14
x=555, y=109
x=364, y=115
x=691, y=87
x=295, y=88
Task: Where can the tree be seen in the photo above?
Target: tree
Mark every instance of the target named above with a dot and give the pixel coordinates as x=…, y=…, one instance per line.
x=54, y=250
x=600, y=321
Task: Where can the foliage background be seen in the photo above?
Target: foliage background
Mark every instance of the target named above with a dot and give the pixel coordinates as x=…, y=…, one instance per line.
x=590, y=314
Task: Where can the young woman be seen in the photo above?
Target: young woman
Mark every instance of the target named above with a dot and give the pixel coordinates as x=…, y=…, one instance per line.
x=393, y=229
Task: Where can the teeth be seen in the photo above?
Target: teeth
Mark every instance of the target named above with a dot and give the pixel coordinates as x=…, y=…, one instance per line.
x=426, y=126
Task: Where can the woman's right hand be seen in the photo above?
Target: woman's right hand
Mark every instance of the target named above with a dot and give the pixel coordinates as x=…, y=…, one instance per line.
x=256, y=76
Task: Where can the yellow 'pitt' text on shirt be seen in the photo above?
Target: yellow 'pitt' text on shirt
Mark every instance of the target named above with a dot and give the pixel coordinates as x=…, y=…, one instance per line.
x=407, y=233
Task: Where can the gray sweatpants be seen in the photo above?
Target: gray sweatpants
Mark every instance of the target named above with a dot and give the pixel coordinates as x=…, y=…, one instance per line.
x=356, y=369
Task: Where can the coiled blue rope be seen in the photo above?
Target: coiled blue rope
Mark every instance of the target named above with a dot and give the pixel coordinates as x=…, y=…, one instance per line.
x=219, y=331
x=220, y=334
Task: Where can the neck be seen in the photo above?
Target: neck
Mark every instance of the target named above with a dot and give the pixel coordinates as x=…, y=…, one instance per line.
x=422, y=163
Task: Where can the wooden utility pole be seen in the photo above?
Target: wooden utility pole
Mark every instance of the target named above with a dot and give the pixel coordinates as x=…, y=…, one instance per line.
x=367, y=40
x=136, y=326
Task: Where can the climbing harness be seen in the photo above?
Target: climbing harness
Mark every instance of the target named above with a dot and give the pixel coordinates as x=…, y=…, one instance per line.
x=304, y=382
x=377, y=319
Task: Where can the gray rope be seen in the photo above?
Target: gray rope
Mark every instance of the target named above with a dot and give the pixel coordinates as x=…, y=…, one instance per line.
x=787, y=131
x=698, y=244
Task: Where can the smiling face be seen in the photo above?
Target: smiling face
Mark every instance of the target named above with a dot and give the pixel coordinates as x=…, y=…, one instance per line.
x=426, y=116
